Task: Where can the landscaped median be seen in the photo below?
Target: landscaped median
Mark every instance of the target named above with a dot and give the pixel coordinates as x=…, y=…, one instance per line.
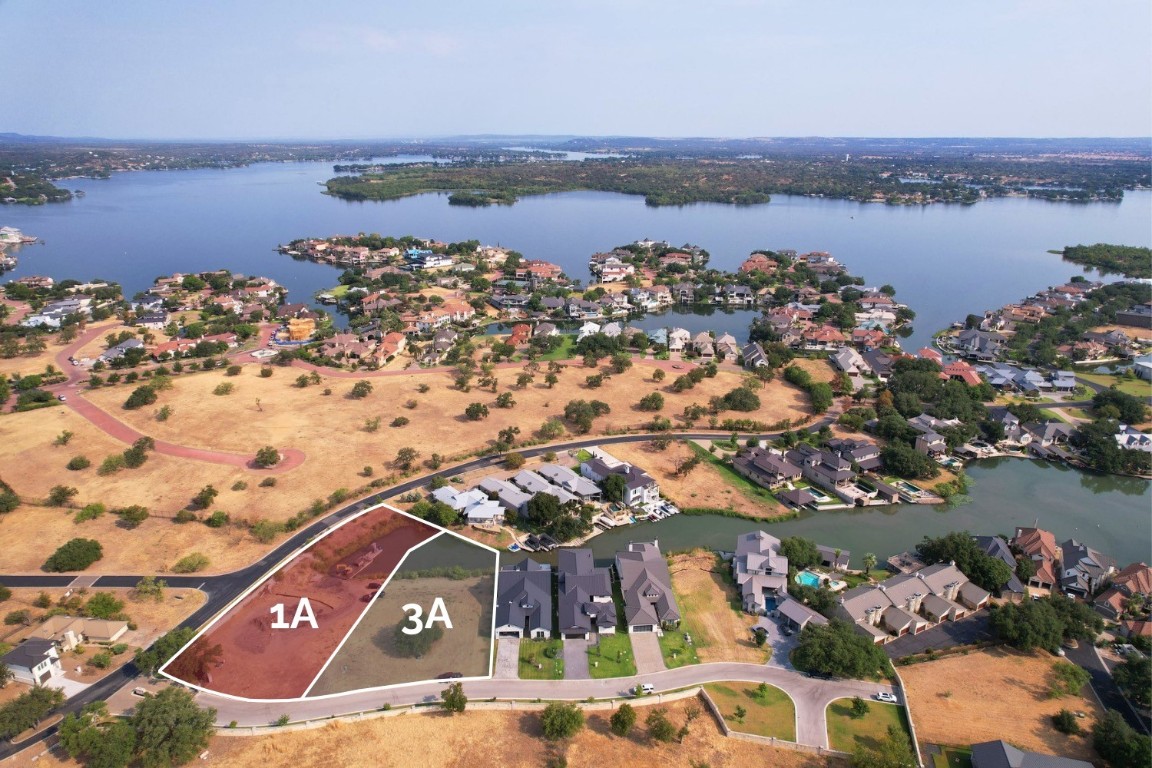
x=756, y=708
x=847, y=730
x=612, y=657
x=541, y=660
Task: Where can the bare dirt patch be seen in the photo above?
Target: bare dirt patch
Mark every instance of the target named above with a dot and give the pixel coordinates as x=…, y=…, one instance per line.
x=993, y=694
x=705, y=595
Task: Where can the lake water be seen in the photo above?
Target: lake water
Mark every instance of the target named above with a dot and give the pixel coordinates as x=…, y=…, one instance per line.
x=1111, y=514
x=945, y=261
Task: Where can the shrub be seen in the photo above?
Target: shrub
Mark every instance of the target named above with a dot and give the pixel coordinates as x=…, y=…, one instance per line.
x=239, y=485
x=267, y=457
x=131, y=517
x=75, y=555
x=660, y=728
x=400, y=421
x=652, y=402
x=61, y=495
x=89, y=512
x=623, y=718
x=561, y=721
x=22, y=616
x=77, y=463
x=184, y=516
x=191, y=563
x=224, y=388
x=361, y=389
x=476, y=411
x=101, y=660
x=1065, y=722
x=164, y=413
x=233, y=370
x=111, y=465
x=217, y=519
x=268, y=482
x=265, y=371
x=140, y=397
x=266, y=530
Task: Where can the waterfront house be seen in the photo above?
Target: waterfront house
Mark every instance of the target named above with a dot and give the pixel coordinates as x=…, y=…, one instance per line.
x=797, y=498
x=754, y=356
x=1039, y=546
x=639, y=487
x=1084, y=570
x=982, y=345
x=702, y=345
x=585, y=605
x=836, y=559
x=678, y=339
x=571, y=482
x=533, y=484
x=524, y=600
x=509, y=496
x=996, y=547
x=727, y=350
x=767, y=468
x=1001, y=754
x=862, y=453
x=649, y=605
x=1133, y=582
x=931, y=444
x=760, y=571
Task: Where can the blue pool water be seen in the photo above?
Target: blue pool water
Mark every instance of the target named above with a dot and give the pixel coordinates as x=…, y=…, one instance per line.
x=808, y=579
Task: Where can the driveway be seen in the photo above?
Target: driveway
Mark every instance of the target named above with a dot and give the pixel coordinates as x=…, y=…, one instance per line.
x=576, y=659
x=781, y=644
x=646, y=650
x=972, y=629
x=507, y=659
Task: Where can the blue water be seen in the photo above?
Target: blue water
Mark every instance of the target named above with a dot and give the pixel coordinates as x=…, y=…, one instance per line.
x=945, y=261
x=808, y=579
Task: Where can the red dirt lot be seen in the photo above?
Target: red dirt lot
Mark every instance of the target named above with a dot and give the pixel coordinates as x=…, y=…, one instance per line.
x=242, y=655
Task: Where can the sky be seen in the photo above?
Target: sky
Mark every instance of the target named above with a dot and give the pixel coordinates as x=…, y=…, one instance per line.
x=350, y=69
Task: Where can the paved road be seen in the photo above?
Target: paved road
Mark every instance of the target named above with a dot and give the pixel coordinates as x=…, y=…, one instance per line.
x=811, y=696
x=1086, y=656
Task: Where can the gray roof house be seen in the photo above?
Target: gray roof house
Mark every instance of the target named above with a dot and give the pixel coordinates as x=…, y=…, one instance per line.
x=569, y=481
x=649, y=604
x=754, y=356
x=509, y=496
x=1084, y=569
x=797, y=615
x=35, y=661
x=834, y=558
x=910, y=603
x=586, y=605
x=533, y=484
x=639, y=486
x=524, y=600
x=761, y=572
x=766, y=468
x=994, y=546
x=1000, y=754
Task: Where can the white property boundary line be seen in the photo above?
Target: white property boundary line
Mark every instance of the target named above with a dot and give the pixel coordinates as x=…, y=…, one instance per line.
x=296, y=553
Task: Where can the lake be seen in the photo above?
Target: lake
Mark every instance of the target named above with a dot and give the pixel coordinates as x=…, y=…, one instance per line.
x=945, y=261
x=1110, y=514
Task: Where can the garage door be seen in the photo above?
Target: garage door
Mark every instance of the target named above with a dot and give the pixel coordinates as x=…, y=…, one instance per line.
x=509, y=633
x=644, y=628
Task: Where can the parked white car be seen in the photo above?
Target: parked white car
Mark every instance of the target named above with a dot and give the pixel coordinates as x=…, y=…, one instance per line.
x=890, y=698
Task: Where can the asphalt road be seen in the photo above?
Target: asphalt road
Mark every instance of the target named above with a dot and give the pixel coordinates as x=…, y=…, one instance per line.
x=1085, y=655
x=222, y=589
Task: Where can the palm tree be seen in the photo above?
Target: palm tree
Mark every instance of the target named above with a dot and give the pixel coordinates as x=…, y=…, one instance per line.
x=869, y=562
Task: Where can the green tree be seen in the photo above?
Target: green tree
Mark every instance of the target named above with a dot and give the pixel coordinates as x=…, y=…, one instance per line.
x=140, y=397
x=869, y=561
x=652, y=402
x=859, y=707
x=405, y=456
x=131, y=517
x=893, y=751
x=987, y=572
x=149, y=660
x=1031, y=624
x=660, y=728
x=151, y=588
x=98, y=740
x=204, y=498
x=28, y=709
x=191, y=563
x=561, y=720
x=103, y=605
x=801, y=552
x=1117, y=742
x=623, y=719
x=171, y=728
x=60, y=495
x=453, y=698
x=1134, y=677
x=476, y=411
x=614, y=487
x=838, y=650
x=267, y=457
x=74, y=555
x=361, y=389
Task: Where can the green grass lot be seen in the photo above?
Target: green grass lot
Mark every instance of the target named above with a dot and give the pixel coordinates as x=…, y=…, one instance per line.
x=582, y=455
x=532, y=653
x=953, y=757
x=676, y=652
x=613, y=657
x=846, y=732
x=772, y=714
x=562, y=352
x=1137, y=387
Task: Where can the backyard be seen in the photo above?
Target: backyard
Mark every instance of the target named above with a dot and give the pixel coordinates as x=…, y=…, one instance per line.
x=612, y=657
x=846, y=732
x=768, y=710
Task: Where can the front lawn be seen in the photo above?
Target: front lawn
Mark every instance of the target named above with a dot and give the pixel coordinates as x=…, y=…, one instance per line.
x=768, y=713
x=953, y=757
x=676, y=651
x=1135, y=387
x=541, y=660
x=612, y=657
x=845, y=732
x=562, y=352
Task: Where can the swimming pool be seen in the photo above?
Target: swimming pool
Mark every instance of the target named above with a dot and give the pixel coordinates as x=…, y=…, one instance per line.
x=808, y=579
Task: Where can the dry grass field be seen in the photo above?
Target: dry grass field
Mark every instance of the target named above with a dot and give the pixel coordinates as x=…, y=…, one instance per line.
x=704, y=486
x=994, y=694
x=507, y=739
x=719, y=632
